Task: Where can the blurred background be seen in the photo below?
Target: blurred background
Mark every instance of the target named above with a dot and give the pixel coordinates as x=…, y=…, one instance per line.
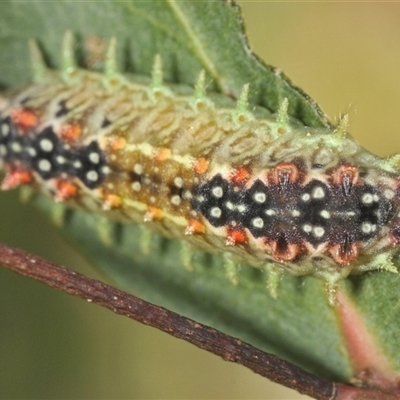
x=347, y=57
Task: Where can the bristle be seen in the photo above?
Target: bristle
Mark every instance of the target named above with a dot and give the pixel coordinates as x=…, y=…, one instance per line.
x=68, y=63
x=200, y=101
x=243, y=101
x=110, y=64
x=186, y=255
x=283, y=117
x=39, y=67
x=382, y=261
x=341, y=129
x=274, y=275
x=157, y=72
x=145, y=239
x=200, y=88
x=392, y=163
x=241, y=113
x=59, y=214
x=105, y=230
x=157, y=88
x=230, y=268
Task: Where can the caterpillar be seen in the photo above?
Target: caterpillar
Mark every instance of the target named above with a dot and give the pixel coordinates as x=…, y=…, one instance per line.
x=263, y=189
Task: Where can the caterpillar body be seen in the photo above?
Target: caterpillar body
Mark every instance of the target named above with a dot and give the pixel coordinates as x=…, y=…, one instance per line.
x=264, y=189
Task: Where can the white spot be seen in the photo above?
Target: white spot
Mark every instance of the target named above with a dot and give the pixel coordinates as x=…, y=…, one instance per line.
x=258, y=222
x=147, y=181
x=77, y=164
x=3, y=150
x=375, y=197
x=175, y=200
x=318, y=193
x=105, y=169
x=152, y=199
x=325, y=214
x=200, y=199
x=295, y=213
x=241, y=208
x=5, y=129
x=60, y=159
x=94, y=157
x=217, y=192
x=350, y=213
x=366, y=227
x=187, y=195
x=307, y=228
x=44, y=165
x=136, y=186
x=215, y=212
x=367, y=198
x=270, y=212
x=305, y=197
x=110, y=185
x=389, y=194
x=260, y=197
x=138, y=169
x=178, y=182
x=16, y=147
x=230, y=205
x=46, y=145
x=319, y=231
x=92, y=176
x=31, y=151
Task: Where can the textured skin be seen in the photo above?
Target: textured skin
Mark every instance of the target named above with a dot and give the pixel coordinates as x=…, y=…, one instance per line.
x=266, y=190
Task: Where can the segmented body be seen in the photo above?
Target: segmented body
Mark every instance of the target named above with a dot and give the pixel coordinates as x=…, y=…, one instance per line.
x=266, y=190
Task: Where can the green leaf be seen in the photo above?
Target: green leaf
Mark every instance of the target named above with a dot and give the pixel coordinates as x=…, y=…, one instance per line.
x=299, y=326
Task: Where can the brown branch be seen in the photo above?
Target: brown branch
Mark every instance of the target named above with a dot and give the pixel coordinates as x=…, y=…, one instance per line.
x=229, y=348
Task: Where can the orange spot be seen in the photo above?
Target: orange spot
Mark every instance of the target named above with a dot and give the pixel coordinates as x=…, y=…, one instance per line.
x=347, y=176
x=70, y=132
x=24, y=118
x=284, y=251
x=240, y=175
x=16, y=177
x=346, y=252
x=117, y=143
x=152, y=214
x=200, y=165
x=285, y=173
x=194, y=227
x=162, y=154
x=236, y=236
x=111, y=201
x=65, y=190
